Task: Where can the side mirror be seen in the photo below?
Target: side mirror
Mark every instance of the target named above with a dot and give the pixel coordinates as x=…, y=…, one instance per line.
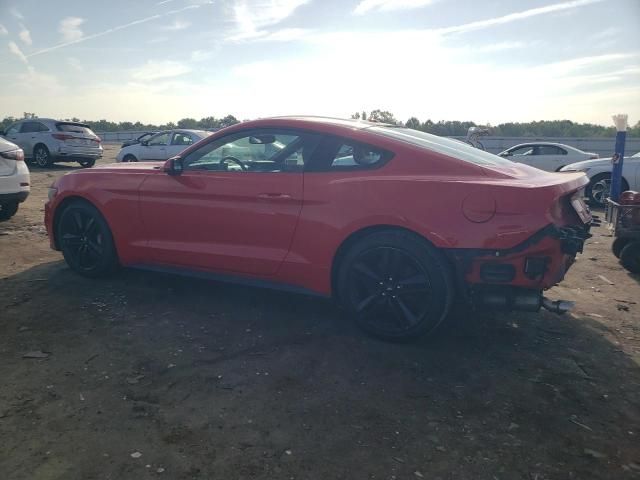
x=173, y=166
x=506, y=154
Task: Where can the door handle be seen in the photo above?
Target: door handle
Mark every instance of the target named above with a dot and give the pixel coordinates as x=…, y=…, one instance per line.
x=274, y=196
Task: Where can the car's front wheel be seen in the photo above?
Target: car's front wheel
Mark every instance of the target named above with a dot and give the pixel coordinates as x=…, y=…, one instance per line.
x=87, y=162
x=86, y=240
x=129, y=158
x=42, y=157
x=395, y=284
x=8, y=210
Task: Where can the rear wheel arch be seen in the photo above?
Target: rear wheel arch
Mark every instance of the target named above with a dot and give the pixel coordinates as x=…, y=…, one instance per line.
x=359, y=235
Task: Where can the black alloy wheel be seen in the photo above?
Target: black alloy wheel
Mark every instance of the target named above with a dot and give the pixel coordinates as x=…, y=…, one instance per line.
x=86, y=241
x=396, y=285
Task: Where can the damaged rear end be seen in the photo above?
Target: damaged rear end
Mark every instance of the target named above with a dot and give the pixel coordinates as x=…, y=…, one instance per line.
x=542, y=222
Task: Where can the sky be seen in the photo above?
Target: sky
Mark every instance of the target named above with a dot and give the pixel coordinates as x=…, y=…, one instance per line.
x=156, y=61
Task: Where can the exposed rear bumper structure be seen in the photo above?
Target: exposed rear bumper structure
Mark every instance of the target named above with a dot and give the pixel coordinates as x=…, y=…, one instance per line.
x=514, y=278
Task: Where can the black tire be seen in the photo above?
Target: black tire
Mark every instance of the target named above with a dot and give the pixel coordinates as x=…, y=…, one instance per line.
x=129, y=158
x=42, y=157
x=87, y=162
x=630, y=257
x=599, y=188
x=413, y=303
x=8, y=210
x=86, y=240
x=617, y=246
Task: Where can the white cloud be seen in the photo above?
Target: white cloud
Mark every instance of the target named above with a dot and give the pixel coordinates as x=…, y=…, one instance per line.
x=25, y=35
x=15, y=49
x=252, y=16
x=177, y=25
x=16, y=13
x=70, y=29
x=84, y=38
x=154, y=70
x=3, y=30
x=513, y=17
x=75, y=64
x=283, y=35
x=387, y=5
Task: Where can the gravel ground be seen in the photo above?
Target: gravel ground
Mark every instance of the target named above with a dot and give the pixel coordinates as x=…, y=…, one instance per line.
x=155, y=376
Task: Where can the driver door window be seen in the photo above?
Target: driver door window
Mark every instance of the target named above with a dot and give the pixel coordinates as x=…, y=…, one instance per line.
x=528, y=150
x=256, y=151
x=156, y=147
x=162, y=139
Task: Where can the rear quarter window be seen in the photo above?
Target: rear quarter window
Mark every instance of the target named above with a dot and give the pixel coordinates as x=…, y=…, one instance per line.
x=445, y=146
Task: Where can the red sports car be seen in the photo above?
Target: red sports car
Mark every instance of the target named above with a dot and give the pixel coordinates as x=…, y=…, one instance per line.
x=392, y=222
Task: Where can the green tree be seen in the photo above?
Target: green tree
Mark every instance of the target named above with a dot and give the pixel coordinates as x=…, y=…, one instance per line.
x=188, y=123
x=228, y=121
x=382, y=116
x=413, y=123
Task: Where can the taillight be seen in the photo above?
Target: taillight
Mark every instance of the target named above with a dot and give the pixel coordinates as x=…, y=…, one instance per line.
x=17, y=155
x=62, y=136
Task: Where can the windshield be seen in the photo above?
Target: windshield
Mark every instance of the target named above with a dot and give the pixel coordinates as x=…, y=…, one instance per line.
x=445, y=146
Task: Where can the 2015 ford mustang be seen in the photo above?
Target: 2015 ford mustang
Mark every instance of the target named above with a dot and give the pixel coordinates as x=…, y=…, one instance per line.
x=394, y=223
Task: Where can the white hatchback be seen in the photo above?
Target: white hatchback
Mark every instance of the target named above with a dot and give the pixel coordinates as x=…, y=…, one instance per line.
x=14, y=179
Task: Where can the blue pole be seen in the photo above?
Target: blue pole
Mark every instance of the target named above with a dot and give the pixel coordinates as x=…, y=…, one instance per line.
x=616, y=174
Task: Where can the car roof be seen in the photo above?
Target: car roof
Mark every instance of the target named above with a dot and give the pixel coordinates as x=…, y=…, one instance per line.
x=314, y=121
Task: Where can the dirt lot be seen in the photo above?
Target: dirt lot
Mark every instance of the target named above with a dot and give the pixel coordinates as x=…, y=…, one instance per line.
x=155, y=376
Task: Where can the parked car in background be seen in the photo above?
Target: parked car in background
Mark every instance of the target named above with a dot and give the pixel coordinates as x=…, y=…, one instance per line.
x=599, y=173
x=14, y=179
x=550, y=157
x=46, y=141
x=145, y=136
x=337, y=208
x=161, y=146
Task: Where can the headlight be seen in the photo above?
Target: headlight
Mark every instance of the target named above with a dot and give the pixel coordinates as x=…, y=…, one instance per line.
x=53, y=191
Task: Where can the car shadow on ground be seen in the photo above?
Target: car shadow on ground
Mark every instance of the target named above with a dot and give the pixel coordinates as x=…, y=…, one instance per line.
x=208, y=379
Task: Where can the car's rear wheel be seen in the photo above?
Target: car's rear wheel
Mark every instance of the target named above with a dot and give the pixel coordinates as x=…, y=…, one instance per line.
x=617, y=246
x=42, y=157
x=396, y=285
x=8, y=210
x=630, y=257
x=129, y=158
x=87, y=162
x=86, y=240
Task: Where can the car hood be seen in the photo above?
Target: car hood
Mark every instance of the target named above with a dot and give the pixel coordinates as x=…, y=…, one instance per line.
x=601, y=162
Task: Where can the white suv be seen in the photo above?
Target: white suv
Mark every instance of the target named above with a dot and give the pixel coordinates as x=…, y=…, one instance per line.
x=45, y=141
x=14, y=179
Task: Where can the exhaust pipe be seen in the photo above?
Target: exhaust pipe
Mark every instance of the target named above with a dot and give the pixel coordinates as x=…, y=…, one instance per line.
x=557, y=306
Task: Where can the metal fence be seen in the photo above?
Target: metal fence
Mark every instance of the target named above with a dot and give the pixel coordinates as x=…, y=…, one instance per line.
x=601, y=146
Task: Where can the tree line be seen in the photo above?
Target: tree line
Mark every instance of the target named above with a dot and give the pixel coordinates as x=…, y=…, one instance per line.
x=447, y=128
x=542, y=128
x=205, y=123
